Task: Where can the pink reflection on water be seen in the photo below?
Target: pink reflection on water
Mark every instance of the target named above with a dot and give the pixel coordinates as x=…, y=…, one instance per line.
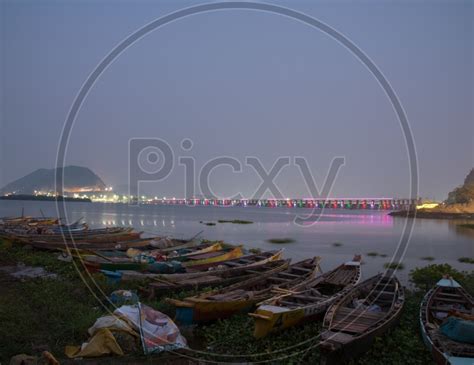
x=373, y=220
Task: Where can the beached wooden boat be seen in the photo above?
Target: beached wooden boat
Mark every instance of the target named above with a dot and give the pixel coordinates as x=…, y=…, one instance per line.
x=97, y=263
x=188, y=254
x=167, y=244
x=82, y=237
x=364, y=312
x=305, y=301
x=206, y=260
x=244, y=295
x=97, y=246
x=225, y=273
x=447, y=297
x=24, y=221
x=136, y=259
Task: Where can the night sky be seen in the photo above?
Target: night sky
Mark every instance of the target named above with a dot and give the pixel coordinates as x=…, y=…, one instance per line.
x=243, y=83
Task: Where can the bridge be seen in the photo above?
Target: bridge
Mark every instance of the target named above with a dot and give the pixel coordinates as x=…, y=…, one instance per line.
x=330, y=203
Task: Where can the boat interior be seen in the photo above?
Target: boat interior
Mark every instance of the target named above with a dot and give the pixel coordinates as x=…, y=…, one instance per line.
x=367, y=307
x=446, y=301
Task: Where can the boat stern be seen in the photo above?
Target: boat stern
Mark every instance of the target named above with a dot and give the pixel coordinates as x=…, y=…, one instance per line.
x=184, y=312
x=270, y=318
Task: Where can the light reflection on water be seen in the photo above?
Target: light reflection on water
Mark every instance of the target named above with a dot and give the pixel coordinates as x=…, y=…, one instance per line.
x=359, y=231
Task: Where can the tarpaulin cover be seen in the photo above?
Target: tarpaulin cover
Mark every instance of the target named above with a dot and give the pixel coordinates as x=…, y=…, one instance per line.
x=158, y=331
x=458, y=329
x=102, y=343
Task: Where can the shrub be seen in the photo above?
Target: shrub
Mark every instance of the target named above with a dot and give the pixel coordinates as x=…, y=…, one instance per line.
x=425, y=278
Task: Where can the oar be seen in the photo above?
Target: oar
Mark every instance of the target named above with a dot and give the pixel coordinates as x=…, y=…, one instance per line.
x=193, y=237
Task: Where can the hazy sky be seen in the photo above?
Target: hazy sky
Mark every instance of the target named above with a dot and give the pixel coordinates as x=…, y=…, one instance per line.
x=243, y=83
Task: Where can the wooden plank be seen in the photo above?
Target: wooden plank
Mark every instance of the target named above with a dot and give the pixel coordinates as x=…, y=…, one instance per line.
x=449, y=295
x=463, y=300
x=448, y=309
x=307, y=297
x=289, y=275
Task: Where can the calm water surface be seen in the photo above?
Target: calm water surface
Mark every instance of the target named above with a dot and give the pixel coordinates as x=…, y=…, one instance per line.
x=359, y=231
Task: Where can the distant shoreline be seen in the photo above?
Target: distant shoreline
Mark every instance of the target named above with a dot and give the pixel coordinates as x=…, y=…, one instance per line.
x=431, y=215
x=45, y=198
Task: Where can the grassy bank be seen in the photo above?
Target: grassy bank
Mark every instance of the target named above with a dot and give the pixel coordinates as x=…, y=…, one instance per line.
x=47, y=314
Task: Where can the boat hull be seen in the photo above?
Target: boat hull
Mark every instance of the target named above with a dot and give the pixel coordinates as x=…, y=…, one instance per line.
x=454, y=289
x=357, y=347
x=203, y=264
x=210, y=311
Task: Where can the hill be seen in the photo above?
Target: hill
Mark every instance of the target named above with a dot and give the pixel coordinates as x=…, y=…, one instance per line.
x=76, y=179
x=463, y=194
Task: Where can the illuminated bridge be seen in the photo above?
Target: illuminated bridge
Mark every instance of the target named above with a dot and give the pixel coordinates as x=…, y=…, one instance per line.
x=345, y=203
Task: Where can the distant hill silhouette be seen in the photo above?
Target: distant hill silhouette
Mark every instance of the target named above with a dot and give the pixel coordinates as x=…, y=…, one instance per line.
x=469, y=178
x=75, y=179
x=463, y=194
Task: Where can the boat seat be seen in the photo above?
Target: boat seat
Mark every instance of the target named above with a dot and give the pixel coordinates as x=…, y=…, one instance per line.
x=306, y=298
x=285, y=303
x=288, y=275
x=280, y=280
x=454, y=295
x=230, y=263
x=451, y=300
x=449, y=309
x=302, y=269
x=357, y=318
x=375, y=292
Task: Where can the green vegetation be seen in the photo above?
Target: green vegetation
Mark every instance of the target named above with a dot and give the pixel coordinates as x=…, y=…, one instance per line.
x=281, y=240
x=235, y=221
x=428, y=258
x=466, y=260
x=372, y=254
x=42, y=313
x=337, y=244
x=426, y=277
x=394, y=265
x=467, y=225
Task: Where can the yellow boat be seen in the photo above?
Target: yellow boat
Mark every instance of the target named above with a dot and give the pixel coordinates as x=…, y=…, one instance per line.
x=241, y=297
x=212, y=248
x=206, y=260
x=305, y=301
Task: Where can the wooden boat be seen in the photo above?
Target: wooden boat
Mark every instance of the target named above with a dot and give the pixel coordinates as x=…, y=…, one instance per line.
x=445, y=298
x=225, y=273
x=364, y=312
x=305, y=301
x=243, y=296
x=199, y=251
x=133, y=258
x=97, y=246
x=206, y=260
x=202, y=261
x=114, y=234
x=170, y=245
x=166, y=244
x=20, y=221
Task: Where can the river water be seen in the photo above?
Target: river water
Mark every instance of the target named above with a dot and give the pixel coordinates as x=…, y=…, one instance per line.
x=355, y=231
